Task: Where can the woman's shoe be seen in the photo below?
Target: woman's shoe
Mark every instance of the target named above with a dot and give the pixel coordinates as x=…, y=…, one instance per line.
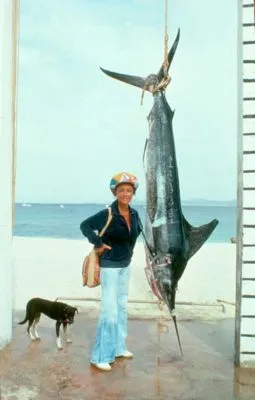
x=126, y=354
x=103, y=366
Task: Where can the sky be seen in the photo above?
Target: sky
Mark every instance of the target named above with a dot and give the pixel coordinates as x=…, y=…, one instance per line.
x=77, y=127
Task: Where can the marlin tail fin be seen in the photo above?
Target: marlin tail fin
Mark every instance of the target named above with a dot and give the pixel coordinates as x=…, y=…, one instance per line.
x=130, y=79
x=151, y=81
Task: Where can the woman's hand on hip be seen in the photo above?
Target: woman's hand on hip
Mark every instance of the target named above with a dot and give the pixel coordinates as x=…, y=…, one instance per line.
x=100, y=250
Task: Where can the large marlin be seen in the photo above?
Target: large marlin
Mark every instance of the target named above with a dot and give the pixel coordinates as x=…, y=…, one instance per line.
x=170, y=241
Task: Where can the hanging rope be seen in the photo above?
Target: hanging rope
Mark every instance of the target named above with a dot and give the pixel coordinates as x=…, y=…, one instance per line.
x=164, y=82
x=166, y=79
x=166, y=40
x=15, y=57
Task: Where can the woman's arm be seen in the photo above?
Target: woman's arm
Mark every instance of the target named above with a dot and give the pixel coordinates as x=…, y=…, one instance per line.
x=94, y=223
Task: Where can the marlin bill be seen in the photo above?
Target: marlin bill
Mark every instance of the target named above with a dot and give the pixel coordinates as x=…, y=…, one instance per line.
x=170, y=241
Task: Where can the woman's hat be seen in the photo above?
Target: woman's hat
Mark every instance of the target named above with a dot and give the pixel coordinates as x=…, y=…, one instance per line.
x=123, y=177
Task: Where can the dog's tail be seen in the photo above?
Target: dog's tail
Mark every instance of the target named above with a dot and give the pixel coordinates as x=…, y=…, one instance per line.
x=24, y=321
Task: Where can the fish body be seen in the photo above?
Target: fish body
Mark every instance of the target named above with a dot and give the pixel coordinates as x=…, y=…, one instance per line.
x=170, y=240
x=167, y=249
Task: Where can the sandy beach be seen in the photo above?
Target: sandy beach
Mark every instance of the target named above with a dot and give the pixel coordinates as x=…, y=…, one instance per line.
x=51, y=268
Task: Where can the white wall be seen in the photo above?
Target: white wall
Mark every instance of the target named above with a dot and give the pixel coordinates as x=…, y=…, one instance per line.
x=245, y=339
x=5, y=171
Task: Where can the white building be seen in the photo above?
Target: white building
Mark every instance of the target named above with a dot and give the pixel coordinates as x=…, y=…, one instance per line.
x=7, y=105
x=245, y=284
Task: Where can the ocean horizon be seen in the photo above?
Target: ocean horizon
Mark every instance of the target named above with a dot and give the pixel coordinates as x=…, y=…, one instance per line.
x=62, y=220
x=195, y=201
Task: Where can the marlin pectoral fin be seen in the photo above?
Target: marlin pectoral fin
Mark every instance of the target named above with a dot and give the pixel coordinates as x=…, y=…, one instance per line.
x=149, y=235
x=170, y=56
x=145, y=146
x=130, y=79
x=197, y=236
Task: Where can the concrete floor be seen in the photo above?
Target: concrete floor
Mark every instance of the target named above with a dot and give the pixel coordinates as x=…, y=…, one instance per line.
x=37, y=370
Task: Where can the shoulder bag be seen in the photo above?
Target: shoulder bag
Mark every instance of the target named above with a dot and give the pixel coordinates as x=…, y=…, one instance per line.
x=91, y=267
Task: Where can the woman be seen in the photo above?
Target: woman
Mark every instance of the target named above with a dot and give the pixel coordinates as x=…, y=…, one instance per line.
x=115, y=249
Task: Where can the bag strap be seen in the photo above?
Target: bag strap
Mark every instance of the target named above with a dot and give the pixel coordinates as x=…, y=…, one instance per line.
x=107, y=222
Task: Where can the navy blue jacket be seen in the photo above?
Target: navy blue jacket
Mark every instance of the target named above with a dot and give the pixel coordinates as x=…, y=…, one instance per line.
x=117, y=234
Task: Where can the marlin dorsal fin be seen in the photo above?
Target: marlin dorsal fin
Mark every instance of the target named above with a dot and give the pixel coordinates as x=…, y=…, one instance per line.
x=197, y=236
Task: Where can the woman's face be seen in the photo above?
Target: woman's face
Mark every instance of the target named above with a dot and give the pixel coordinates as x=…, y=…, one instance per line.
x=124, y=193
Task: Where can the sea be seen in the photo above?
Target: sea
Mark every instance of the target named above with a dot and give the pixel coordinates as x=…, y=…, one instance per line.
x=62, y=221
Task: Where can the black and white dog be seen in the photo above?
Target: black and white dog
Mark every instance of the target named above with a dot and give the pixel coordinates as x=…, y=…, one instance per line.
x=61, y=312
